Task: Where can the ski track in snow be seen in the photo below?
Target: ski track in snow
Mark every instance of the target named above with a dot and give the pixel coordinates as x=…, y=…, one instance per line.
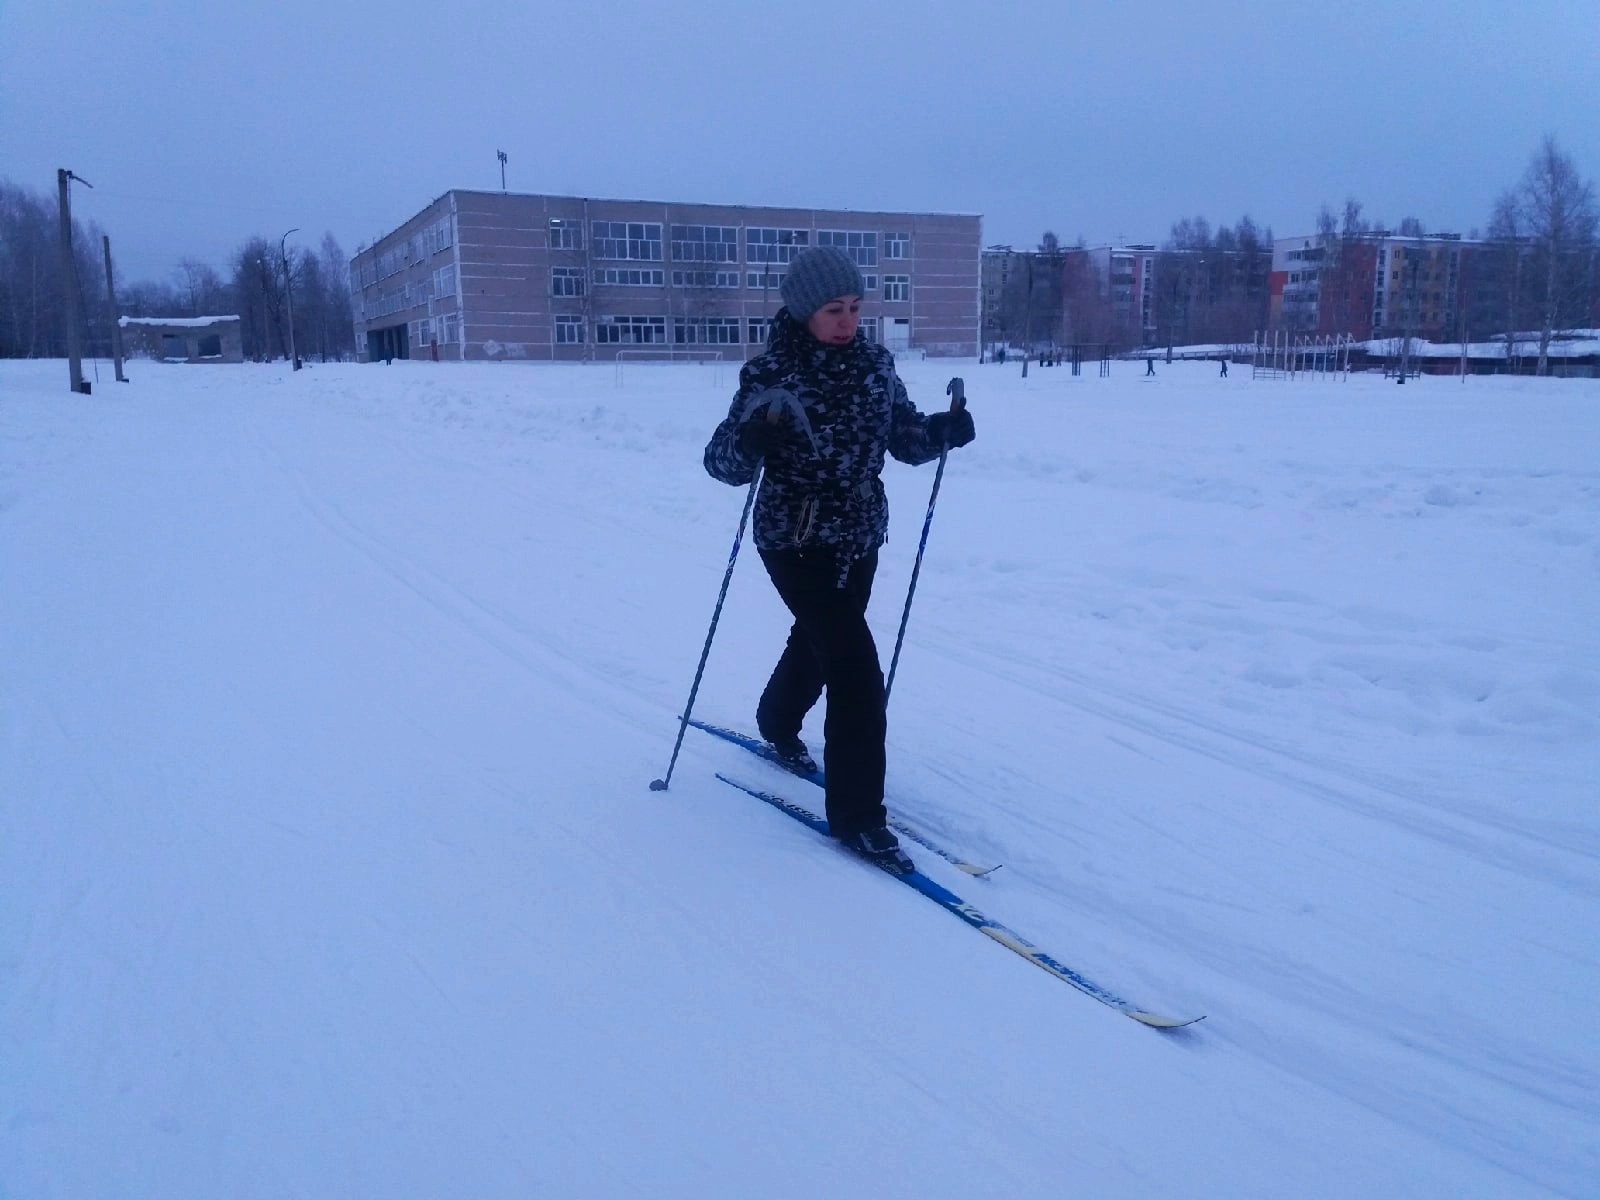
x=1278, y=701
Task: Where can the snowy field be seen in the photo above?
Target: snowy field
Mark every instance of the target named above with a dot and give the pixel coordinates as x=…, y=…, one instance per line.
x=328, y=703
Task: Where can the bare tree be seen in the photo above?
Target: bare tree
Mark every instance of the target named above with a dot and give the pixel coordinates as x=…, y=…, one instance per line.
x=1048, y=310
x=200, y=287
x=1506, y=253
x=34, y=287
x=1557, y=210
x=258, y=290
x=1087, y=315
x=1213, y=285
x=1354, y=223
x=336, y=335
x=28, y=267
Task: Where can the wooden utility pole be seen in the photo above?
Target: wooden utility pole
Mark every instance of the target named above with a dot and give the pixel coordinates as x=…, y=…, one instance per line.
x=69, y=285
x=288, y=291
x=1027, y=314
x=116, y=325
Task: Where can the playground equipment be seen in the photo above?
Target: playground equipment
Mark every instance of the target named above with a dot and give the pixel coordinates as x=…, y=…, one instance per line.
x=1279, y=354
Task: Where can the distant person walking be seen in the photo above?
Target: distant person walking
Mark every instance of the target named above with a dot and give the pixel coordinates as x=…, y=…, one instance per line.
x=1149, y=366
x=1224, y=362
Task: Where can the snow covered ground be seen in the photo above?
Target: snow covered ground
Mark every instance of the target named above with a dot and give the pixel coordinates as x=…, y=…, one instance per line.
x=328, y=703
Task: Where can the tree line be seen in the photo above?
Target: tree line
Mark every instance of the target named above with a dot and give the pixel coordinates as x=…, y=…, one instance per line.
x=35, y=289
x=1204, y=285
x=1534, y=270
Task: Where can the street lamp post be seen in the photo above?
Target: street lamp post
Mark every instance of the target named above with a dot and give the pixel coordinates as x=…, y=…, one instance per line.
x=288, y=291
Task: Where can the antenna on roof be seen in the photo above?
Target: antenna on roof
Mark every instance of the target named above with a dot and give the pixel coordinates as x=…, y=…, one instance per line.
x=501, y=155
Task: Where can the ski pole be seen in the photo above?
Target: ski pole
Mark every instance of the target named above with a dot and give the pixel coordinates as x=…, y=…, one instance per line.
x=660, y=785
x=957, y=391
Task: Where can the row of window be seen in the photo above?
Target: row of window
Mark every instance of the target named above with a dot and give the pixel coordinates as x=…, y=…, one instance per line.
x=686, y=331
x=634, y=331
x=705, y=243
x=440, y=235
x=436, y=329
x=569, y=281
x=643, y=241
x=439, y=285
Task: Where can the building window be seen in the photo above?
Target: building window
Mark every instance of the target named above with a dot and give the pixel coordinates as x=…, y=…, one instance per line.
x=762, y=245
x=424, y=332
x=639, y=241
x=897, y=287
x=763, y=281
x=566, y=234
x=869, y=329
x=705, y=243
x=209, y=346
x=566, y=281
x=897, y=245
x=869, y=283
x=569, y=330
x=861, y=246
x=630, y=331
x=629, y=276
x=760, y=329
x=706, y=331
x=447, y=330
x=444, y=281
x=705, y=279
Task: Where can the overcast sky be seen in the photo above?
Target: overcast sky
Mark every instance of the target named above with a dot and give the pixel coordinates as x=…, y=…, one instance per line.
x=200, y=124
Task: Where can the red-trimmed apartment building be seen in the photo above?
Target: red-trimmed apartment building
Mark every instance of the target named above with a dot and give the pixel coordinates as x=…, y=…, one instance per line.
x=1374, y=284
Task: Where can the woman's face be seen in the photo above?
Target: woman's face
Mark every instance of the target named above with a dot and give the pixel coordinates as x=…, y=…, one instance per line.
x=835, y=322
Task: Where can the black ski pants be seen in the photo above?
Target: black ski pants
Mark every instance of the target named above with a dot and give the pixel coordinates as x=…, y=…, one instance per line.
x=830, y=646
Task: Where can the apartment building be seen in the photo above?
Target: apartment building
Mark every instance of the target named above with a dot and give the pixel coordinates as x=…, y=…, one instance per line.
x=1046, y=298
x=1374, y=284
x=1128, y=274
x=504, y=276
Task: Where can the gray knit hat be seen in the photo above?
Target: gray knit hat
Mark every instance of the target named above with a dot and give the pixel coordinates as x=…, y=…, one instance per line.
x=817, y=276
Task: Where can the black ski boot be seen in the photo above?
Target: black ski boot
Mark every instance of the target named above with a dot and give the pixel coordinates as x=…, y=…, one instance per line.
x=791, y=754
x=882, y=848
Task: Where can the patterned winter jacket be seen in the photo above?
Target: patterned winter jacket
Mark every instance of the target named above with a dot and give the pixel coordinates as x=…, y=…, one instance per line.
x=822, y=486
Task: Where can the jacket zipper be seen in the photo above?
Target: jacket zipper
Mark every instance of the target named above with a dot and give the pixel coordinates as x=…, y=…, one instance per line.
x=808, y=514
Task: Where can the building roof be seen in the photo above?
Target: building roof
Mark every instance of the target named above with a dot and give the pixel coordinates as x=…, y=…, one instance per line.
x=865, y=212
x=175, y=322
x=1572, y=344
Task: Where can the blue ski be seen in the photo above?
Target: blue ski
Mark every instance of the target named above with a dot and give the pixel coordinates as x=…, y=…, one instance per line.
x=761, y=749
x=987, y=925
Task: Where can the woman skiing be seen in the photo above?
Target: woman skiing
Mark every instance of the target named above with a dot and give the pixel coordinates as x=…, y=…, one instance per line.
x=819, y=520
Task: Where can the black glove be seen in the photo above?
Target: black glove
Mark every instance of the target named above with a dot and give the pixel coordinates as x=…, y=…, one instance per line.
x=760, y=437
x=951, y=428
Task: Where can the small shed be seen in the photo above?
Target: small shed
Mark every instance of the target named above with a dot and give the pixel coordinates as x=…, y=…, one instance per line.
x=185, y=339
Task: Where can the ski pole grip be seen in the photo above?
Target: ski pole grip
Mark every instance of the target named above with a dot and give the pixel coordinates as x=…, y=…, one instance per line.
x=957, y=391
